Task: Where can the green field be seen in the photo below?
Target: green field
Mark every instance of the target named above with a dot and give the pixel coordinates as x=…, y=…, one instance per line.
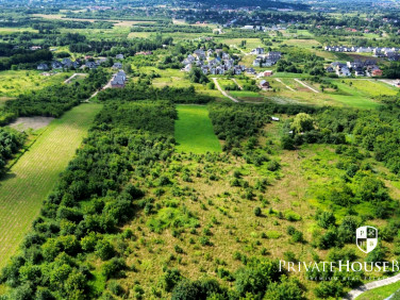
x=380, y=293
x=35, y=174
x=194, y=131
x=14, y=83
x=353, y=97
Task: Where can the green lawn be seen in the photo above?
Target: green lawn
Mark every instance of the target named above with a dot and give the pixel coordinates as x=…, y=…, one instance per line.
x=380, y=293
x=353, y=97
x=35, y=174
x=194, y=131
x=373, y=88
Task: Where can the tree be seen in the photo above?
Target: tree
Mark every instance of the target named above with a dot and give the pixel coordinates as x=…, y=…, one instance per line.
x=104, y=250
x=287, y=289
x=325, y=219
x=302, y=122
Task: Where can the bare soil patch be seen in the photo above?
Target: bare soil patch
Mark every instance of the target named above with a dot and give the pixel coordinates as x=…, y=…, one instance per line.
x=35, y=123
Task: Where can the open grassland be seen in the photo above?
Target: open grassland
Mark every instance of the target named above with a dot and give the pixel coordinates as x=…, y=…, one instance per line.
x=380, y=293
x=251, y=43
x=12, y=83
x=348, y=95
x=23, y=190
x=178, y=79
x=373, y=88
x=11, y=30
x=194, y=131
x=302, y=43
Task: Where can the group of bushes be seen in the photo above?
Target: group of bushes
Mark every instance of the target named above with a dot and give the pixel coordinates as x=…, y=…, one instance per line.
x=92, y=200
x=10, y=142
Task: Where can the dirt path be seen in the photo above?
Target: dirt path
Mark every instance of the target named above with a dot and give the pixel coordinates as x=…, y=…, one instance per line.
x=73, y=76
x=223, y=92
x=353, y=294
x=240, y=87
x=108, y=85
x=307, y=86
x=288, y=87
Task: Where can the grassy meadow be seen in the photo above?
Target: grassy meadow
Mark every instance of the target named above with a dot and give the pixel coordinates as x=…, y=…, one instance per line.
x=380, y=293
x=14, y=83
x=194, y=131
x=24, y=188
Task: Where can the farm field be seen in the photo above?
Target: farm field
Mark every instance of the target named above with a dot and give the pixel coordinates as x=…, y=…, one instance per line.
x=14, y=82
x=23, y=190
x=194, y=131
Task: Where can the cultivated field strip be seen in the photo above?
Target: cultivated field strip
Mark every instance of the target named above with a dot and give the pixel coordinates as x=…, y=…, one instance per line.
x=35, y=174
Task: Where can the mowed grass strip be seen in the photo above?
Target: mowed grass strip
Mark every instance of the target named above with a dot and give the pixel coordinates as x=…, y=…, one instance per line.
x=30, y=180
x=194, y=131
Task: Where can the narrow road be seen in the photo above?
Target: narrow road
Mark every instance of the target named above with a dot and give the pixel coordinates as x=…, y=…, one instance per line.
x=288, y=87
x=307, y=86
x=353, y=294
x=73, y=76
x=240, y=87
x=108, y=85
x=223, y=92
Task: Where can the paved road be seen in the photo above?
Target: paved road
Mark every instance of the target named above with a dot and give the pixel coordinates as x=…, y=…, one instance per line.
x=223, y=92
x=307, y=86
x=288, y=87
x=370, y=286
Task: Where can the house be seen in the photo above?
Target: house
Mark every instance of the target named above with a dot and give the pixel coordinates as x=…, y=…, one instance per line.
x=257, y=51
x=91, y=65
x=329, y=69
x=251, y=71
x=56, y=65
x=268, y=73
x=257, y=62
x=43, y=67
x=343, y=72
x=118, y=80
x=264, y=84
x=275, y=56
x=376, y=72
x=67, y=63
x=359, y=72
x=187, y=68
x=119, y=56
x=117, y=65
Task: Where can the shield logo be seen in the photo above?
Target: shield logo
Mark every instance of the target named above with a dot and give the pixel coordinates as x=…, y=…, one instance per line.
x=367, y=238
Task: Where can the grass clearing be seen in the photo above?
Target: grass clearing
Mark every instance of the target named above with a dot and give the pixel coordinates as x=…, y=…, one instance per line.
x=373, y=88
x=23, y=190
x=380, y=293
x=352, y=97
x=194, y=131
x=12, y=83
